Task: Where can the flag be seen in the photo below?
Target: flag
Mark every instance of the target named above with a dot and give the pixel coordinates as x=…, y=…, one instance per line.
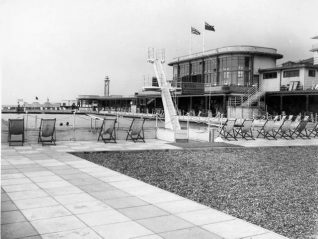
x=195, y=31
x=208, y=27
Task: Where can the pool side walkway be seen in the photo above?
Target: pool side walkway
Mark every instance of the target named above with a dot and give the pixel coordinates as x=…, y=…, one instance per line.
x=48, y=193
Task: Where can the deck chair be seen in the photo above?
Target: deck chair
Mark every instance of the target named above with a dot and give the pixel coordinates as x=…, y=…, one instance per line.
x=286, y=129
x=314, y=130
x=16, y=127
x=245, y=130
x=301, y=130
x=268, y=130
x=107, y=131
x=228, y=129
x=47, y=131
x=136, y=130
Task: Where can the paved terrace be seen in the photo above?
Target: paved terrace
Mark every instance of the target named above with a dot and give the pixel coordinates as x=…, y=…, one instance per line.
x=48, y=193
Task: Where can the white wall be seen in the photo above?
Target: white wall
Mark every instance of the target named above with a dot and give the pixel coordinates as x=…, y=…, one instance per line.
x=270, y=84
x=263, y=62
x=299, y=78
x=310, y=81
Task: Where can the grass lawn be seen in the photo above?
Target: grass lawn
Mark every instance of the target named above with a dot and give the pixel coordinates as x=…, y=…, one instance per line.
x=276, y=188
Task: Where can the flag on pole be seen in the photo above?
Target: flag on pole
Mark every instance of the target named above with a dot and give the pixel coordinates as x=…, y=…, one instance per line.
x=208, y=27
x=195, y=31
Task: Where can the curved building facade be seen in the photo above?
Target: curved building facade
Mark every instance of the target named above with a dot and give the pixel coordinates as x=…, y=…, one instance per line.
x=227, y=66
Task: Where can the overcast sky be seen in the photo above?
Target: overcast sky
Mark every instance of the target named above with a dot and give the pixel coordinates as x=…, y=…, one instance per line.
x=59, y=49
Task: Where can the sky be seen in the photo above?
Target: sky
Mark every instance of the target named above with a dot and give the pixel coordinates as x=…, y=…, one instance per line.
x=59, y=49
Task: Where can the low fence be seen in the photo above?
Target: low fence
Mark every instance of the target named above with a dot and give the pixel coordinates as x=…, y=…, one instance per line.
x=73, y=127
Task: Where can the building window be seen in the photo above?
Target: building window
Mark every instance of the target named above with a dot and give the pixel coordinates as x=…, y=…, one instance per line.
x=235, y=70
x=196, y=68
x=312, y=73
x=293, y=73
x=270, y=75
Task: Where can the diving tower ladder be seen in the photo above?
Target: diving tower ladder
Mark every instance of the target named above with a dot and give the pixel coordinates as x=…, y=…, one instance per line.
x=171, y=117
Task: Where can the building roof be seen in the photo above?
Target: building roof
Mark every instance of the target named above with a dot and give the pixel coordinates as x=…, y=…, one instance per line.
x=306, y=63
x=256, y=50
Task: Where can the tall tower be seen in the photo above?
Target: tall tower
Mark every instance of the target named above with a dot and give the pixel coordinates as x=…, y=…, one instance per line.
x=315, y=51
x=106, y=86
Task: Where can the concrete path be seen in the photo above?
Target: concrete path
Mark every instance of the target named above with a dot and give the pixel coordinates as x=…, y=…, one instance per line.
x=48, y=193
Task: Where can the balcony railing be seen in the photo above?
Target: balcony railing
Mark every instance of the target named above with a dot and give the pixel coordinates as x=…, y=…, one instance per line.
x=228, y=49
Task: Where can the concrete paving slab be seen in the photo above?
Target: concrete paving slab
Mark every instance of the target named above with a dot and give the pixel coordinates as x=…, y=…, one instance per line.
x=205, y=216
x=86, y=207
x=37, y=193
x=78, y=233
x=235, y=229
x=12, y=217
x=17, y=230
x=107, y=216
x=35, y=202
x=181, y=206
x=125, y=202
x=45, y=212
x=190, y=233
x=164, y=223
x=123, y=230
x=58, y=224
x=142, y=212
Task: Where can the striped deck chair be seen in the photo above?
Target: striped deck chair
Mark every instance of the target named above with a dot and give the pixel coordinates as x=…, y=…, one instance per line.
x=286, y=129
x=314, y=130
x=136, y=130
x=107, y=131
x=245, y=130
x=268, y=130
x=301, y=131
x=15, y=127
x=47, y=131
x=228, y=129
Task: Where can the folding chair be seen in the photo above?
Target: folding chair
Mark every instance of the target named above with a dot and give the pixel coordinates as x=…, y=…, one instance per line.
x=245, y=130
x=47, y=131
x=136, y=130
x=301, y=130
x=286, y=129
x=228, y=129
x=268, y=130
x=107, y=131
x=16, y=127
x=314, y=130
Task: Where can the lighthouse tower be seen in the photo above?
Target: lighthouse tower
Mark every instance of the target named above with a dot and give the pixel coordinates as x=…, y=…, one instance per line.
x=315, y=51
x=106, y=86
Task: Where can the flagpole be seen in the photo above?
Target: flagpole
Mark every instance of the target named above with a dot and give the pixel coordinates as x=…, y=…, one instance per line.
x=190, y=46
x=203, y=41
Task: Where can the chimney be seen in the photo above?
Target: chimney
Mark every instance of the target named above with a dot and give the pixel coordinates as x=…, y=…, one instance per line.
x=315, y=51
x=106, y=86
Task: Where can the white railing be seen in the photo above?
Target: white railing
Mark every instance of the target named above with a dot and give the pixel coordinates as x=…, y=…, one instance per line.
x=229, y=49
x=253, y=94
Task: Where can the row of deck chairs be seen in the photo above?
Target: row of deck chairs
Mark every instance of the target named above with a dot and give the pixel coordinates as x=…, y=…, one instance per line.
x=284, y=128
x=46, y=133
x=135, y=132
